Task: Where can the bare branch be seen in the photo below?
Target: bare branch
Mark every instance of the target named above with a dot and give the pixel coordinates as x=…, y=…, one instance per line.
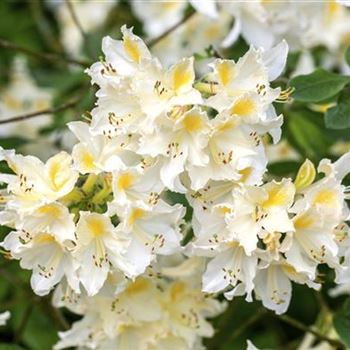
x=42, y=55
x=42, y=112
x=296, y=324
x=156, y=40
x=75, y=18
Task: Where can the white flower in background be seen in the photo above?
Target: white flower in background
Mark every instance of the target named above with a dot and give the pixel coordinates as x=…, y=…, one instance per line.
x=4, y=316
x=281, y=152
x=91, y=15
x=21, y=96
x=251, y=346
x=159, y=17
x=197, y=34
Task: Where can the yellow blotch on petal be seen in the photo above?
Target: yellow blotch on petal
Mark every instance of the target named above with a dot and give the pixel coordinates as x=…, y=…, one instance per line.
x=225, y=71
x=96, y=226
x=124, y=181
x=245, y=173
x=325, y=197
x=135, y=215
x=59, y=170
x=177, y=289
x=192, y=123
x=224, y=210
x=87, y=160
x=132, y=49
x=12, y=103
x=304, y=221
x=278, y=195
x=44, y=238
x=52, y=210
x=243, y=107
x=182, y=76
x=139, y=286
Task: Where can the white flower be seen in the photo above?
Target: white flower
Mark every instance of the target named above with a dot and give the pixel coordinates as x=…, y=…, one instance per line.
x=123, y=58
x=181, y=145
x=22, y=95
x=99, y=246
x=234, y=150
x=261, y=208
x=35, y=183
x=90, y=16
x=273, y=285
x=313, y=242
x=4, y=316
x=153, y=230
x=46, y=255
x=160, y=90
x=137, y=183
x=252, y=73
x=98, y=153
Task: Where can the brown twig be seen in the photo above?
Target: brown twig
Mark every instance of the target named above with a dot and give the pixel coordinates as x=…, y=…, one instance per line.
x=156, y=40
x=42, y=55
x=296, y=324
x=38, y=113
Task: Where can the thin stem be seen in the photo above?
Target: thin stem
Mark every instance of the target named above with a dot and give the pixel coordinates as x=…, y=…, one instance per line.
x=296, y=324
x=44, y=27
x=75, y=18
x=156, y=40
x=39, y=113
x=24, y=322
x=250, y=321
x=51, y=57
x=78, y=24
x=54, y=313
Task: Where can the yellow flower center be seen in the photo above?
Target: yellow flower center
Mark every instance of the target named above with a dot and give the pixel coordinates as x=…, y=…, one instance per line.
x=243, y=107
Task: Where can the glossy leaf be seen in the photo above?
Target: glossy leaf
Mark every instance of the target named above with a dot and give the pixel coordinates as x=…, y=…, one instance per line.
x=318, y=86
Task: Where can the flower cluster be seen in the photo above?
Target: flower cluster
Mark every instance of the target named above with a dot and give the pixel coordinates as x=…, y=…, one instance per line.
x=152, y=312
x=101, y=225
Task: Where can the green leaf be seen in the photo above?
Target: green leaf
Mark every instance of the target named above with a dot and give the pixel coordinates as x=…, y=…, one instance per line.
x=12, y=142
x=338, y=117
x=318, y=86
x=347, y=56
x=10, y=347
x=341, y=323
x=306, y=135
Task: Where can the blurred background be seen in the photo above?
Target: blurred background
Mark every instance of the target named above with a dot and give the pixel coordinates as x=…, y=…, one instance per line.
x=45, y=47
